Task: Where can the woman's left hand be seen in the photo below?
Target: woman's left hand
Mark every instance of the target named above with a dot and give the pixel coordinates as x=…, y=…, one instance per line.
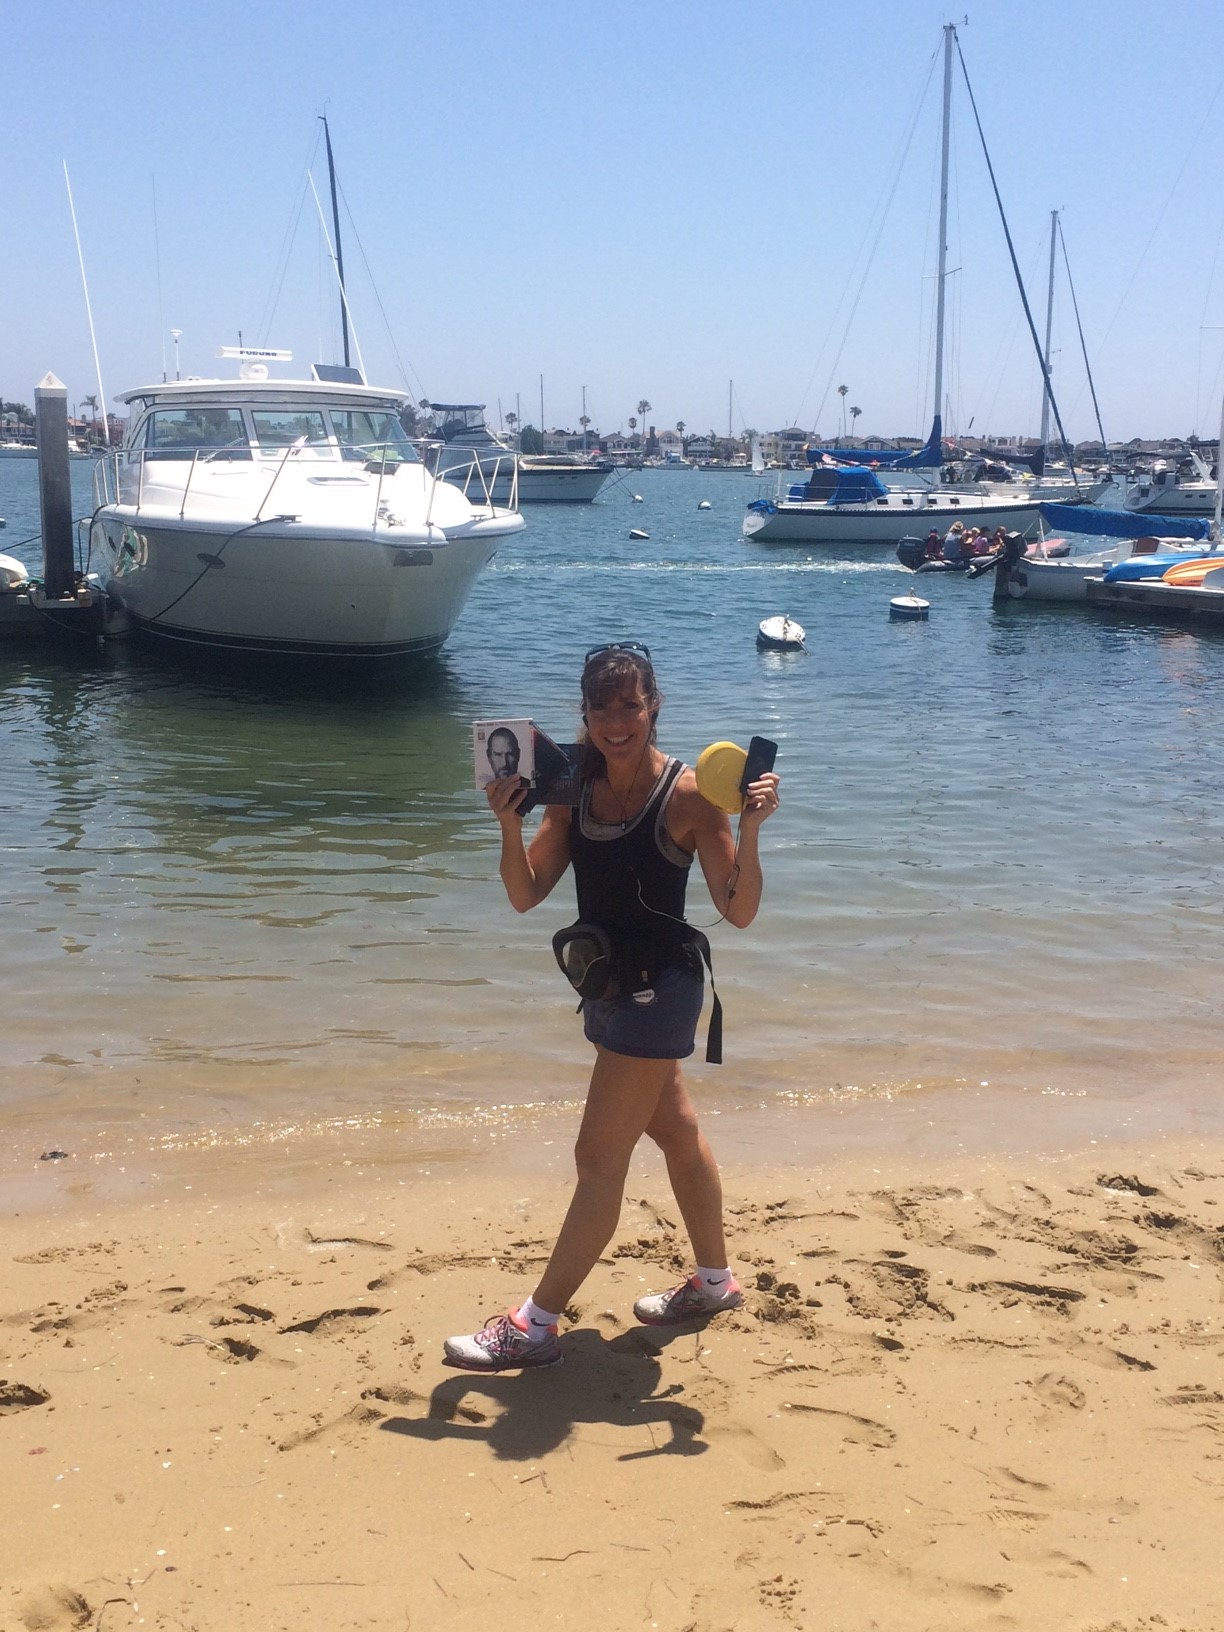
x=761, y=800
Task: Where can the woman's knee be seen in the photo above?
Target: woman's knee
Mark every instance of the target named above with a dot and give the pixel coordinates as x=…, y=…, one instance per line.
x=674, y=1128
x=600, y=1158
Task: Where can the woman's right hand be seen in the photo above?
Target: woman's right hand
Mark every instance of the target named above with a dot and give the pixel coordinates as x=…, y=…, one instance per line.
x=505, y=794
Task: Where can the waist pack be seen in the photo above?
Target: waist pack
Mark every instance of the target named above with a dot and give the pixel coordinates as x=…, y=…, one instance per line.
x=600, y=969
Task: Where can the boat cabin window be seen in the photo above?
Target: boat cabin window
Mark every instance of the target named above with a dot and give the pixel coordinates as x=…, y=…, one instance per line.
x=282, y=427
x=364, y=432
x=180, y=433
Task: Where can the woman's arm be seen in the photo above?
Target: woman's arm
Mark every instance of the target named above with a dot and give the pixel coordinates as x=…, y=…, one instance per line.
x=529, y=874
x=734, y=880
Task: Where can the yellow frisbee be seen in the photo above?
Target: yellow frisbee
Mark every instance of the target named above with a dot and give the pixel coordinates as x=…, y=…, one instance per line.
x=720, y=769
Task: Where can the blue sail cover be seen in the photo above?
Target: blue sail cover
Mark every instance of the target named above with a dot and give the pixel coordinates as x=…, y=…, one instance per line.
x=1086, y=518
x=833, y=484
x=929, y=456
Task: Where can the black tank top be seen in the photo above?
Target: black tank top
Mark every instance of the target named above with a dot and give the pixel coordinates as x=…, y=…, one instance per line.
x=631, y=880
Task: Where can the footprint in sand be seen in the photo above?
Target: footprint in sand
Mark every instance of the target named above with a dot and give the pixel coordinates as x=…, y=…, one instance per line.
x=1058, y=1391
x=746, y=1444
x=1058, y=1300
x=334, y=1322
x=54, y=1609
x=358, y=1416
x=851, y=1429
x=19, y=1397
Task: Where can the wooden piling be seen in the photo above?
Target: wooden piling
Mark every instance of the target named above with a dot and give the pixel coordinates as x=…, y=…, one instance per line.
x=54, y=486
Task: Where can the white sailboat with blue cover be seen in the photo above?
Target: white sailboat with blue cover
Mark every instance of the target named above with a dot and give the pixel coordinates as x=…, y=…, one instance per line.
x=849, y=504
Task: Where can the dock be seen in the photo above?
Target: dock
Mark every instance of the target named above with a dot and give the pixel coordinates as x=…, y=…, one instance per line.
x=28, y=613
x=64, y=603
x=1155, y=596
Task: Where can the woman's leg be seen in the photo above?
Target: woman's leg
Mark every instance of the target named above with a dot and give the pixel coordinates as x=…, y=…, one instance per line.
x=692, y=1170
x=622, y=1101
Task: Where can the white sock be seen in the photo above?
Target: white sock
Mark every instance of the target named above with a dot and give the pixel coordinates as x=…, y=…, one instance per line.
x=714, y=1281
x=536, y=1320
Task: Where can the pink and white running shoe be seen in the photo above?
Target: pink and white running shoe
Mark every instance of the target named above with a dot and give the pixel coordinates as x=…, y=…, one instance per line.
x=688, y=1301
x=503, y=1345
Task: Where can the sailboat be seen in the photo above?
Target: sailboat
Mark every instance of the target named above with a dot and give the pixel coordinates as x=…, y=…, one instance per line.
x=841, y=504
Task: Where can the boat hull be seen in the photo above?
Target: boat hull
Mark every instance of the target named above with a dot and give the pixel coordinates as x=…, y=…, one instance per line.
x=285, y=589
x=535, y=486
x=881, y=522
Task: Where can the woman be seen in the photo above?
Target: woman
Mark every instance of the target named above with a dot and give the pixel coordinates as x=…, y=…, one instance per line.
x=631, y=840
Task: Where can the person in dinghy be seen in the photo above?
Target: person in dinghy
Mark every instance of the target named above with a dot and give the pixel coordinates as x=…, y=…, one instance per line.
x=631, y=840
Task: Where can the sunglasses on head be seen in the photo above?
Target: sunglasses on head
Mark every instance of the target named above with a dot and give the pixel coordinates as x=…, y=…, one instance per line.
x=634, y=646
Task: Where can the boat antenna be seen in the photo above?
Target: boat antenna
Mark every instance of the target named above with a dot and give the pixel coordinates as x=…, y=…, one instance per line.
x=331, y=173
x=88, y=308
x=1011, y=250
x=1096, y=407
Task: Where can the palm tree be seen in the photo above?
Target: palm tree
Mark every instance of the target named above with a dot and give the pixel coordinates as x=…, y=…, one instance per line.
x=511, y=422
x=92, y=404
x=854, y=414
x=842, y=391
x=643, y=410
x=584, y=421
x=632, y=428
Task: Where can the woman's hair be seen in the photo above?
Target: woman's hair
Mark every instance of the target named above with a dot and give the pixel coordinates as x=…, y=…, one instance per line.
x=614, y=672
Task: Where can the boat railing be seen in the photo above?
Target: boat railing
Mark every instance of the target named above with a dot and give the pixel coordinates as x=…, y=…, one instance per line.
x=476, y=476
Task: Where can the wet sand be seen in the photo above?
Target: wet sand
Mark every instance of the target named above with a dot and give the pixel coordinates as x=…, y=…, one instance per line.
x=964, y=1392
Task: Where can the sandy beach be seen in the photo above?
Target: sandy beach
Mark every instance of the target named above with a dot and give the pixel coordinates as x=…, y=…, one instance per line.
x=962, y=1394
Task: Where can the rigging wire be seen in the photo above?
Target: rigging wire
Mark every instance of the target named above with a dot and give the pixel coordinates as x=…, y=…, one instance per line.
x=284, y=254
x=882, y=209
x=1161, y=215
x=1096, y=407
x=404, y=368
x=1011, y=250
x=1214, y=393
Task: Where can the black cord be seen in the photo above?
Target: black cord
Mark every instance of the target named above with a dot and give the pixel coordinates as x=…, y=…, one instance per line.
x=209, y=565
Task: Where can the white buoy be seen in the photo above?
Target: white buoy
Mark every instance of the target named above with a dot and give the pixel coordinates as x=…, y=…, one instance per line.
x=781, y=634
x=704, y=505
x=908, y=607
x=636, y=498
x=636, y=532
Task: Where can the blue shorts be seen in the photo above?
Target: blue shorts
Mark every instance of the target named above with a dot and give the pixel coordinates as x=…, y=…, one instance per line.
x=658, y=1024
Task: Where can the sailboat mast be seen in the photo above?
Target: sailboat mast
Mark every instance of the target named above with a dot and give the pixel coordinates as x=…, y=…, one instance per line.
x=331, y=176
x=1045, y=395
x=942, y=269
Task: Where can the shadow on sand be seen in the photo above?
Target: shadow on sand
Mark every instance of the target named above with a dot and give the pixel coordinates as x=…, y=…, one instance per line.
x=523, y=1415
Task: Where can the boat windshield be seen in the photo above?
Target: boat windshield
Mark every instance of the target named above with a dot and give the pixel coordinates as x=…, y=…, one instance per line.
x=226, y=433
x=283, y=427
x=173, y=433
x=364, y=432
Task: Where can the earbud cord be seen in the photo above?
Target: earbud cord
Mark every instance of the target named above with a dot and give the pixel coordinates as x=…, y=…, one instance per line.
x=732, y=886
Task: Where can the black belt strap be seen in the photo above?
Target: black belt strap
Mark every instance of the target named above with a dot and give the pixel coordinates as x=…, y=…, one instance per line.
x=714, y=1030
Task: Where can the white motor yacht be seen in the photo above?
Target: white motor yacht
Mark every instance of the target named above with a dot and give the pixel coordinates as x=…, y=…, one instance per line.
x=290, y=516
x=1170, y=492
x=470, y=449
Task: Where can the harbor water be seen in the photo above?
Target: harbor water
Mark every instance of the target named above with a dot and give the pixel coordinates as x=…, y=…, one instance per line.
x=256, y=908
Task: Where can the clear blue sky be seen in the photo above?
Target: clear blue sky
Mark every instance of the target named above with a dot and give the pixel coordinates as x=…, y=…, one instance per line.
x=645, y=199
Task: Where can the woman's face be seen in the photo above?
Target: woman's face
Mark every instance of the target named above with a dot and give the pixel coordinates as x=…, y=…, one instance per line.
x=621, y=729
